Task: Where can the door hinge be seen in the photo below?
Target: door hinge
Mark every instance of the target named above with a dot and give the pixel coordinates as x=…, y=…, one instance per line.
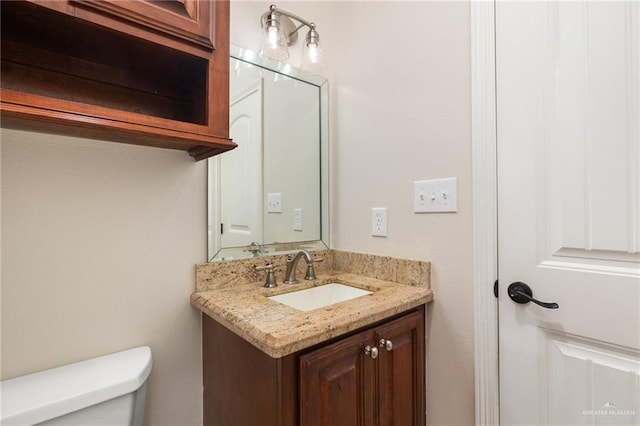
x=495, y=289
x=221, y=228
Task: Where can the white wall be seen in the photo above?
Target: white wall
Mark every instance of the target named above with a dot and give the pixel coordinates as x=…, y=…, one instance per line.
x=99, y=242
x=399, y=78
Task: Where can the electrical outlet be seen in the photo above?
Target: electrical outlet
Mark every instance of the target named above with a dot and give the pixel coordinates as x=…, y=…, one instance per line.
x=274, y=202
x=379, y=221
x=435, y=196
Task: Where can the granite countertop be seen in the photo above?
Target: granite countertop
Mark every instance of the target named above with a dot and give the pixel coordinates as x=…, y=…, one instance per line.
x=279, y=330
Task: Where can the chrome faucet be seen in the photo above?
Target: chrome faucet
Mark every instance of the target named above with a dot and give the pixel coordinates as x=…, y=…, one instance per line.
x=292, y=263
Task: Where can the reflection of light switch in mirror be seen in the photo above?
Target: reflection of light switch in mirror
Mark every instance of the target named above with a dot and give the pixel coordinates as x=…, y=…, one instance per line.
x=274, y=202
x=297, y=219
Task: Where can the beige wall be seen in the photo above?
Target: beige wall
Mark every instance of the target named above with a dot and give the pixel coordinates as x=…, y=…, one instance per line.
x=99, y=242
x=399, y=78
x=401, y=112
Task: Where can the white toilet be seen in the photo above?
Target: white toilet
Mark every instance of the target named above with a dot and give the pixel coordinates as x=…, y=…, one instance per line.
x=108, y=390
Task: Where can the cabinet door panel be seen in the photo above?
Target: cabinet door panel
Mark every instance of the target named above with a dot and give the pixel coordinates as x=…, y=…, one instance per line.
x=401, y=372
x=337, y=384
x=186, y=19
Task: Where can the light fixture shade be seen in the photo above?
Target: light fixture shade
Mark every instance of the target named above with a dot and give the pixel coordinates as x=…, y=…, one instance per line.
x=274, y=38
x=312, y=57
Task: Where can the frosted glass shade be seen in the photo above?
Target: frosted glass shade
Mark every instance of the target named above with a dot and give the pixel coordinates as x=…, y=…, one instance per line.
x=312, y=58
x=274, y=44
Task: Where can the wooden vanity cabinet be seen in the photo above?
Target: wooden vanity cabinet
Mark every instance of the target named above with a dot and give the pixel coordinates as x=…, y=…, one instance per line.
x=332, y=384
x=145, y=72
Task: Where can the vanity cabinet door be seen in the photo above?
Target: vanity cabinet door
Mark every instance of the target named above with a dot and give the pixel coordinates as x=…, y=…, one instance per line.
x=342, y=384
x=401, y=366
x=188, y=20
x=337, y=385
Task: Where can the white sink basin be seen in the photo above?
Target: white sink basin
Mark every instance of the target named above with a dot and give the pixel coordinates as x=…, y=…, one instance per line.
x=319, y=297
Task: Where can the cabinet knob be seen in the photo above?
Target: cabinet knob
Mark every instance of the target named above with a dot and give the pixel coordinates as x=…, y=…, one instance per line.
x=386, y=344
x=371, y=351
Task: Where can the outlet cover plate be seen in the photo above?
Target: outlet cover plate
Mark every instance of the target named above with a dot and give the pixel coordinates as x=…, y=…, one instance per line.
x=379, y=221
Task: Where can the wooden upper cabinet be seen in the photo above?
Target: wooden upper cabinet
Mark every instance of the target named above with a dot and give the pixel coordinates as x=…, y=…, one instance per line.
x=153, y=73
x=190, y=20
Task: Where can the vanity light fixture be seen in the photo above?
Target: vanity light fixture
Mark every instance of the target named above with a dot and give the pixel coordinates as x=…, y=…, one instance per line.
x=280, y=32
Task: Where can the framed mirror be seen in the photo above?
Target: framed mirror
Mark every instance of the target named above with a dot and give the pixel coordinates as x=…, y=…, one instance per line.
x=270, y=194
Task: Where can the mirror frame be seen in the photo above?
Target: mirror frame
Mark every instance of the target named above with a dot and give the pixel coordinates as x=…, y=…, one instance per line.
x=215, y=252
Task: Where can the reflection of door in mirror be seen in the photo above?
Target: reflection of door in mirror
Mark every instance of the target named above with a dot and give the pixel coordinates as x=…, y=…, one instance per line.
x=241, y=170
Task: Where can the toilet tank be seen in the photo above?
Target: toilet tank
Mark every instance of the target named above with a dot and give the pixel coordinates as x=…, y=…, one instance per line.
x=108, y=390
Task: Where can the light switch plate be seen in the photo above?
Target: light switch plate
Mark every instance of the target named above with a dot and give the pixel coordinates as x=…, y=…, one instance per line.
x=297, y=219
x=435, y=196
x=379, y=221
x=274, y=202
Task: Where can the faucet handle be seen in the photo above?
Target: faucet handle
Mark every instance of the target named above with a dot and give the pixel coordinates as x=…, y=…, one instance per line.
x=311, y=273
x=270, y=281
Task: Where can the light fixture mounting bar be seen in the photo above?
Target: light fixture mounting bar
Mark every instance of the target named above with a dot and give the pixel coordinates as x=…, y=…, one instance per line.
x=303, y=21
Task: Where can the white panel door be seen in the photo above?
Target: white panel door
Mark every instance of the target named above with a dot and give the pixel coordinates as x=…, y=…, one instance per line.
x=241, y=171
x=568, y=90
